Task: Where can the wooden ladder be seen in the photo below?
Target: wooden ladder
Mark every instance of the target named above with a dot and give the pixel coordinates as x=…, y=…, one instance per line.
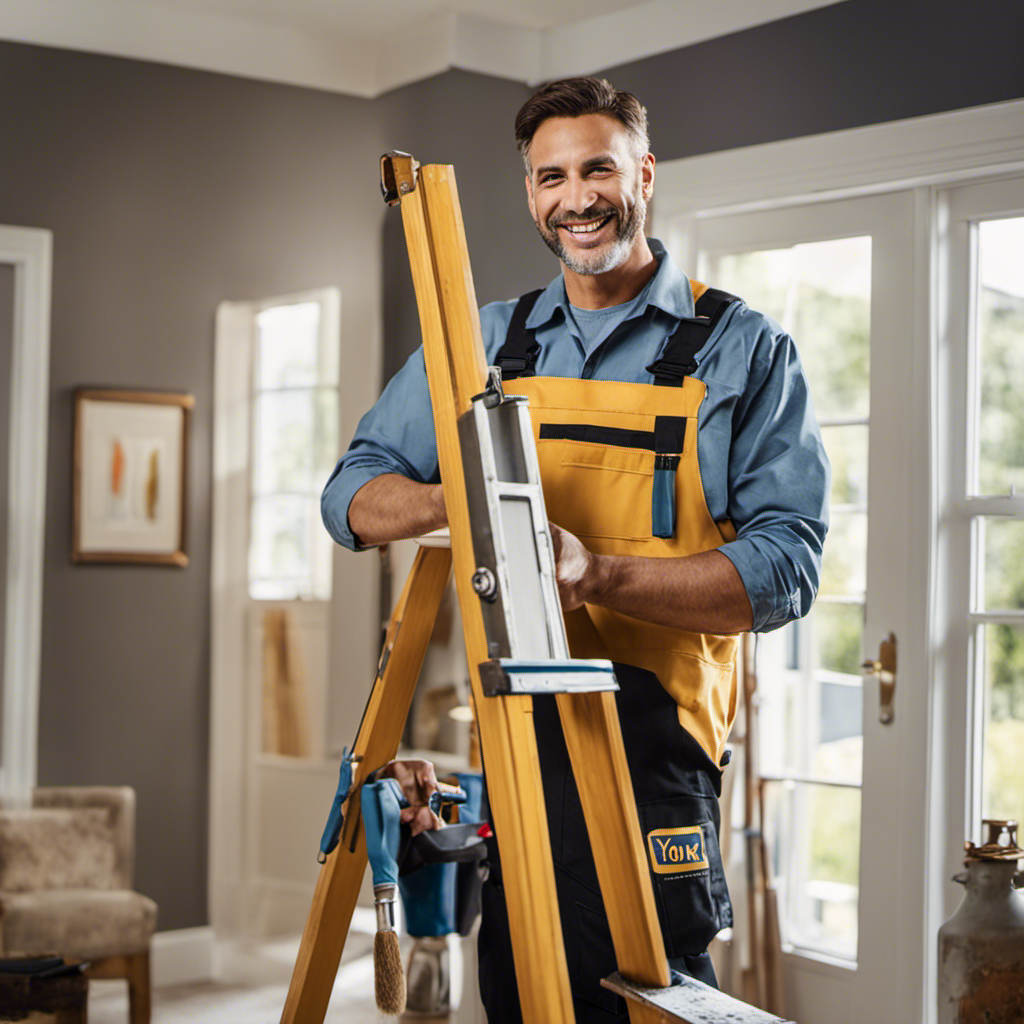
x=456, y=372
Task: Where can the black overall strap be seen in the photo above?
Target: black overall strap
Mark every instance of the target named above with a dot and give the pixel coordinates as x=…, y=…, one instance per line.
x=678, y=360
x=519, y=353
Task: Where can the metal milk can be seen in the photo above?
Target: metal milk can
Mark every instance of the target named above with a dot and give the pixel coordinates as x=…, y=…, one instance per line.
x=981, y=947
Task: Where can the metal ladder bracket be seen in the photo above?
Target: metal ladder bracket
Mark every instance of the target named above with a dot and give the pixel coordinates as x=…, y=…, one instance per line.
x=504, y=677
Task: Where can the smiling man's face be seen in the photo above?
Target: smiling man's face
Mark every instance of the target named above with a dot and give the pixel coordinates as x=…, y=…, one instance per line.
x=588, y=191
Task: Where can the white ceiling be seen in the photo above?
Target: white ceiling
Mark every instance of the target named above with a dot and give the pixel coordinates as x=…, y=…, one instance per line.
x=365, y=47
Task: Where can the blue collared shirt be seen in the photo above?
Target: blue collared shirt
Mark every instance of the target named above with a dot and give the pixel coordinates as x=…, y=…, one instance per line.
x=761, y=459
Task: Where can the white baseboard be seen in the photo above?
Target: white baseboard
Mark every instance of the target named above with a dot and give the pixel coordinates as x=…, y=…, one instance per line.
x=182, y=956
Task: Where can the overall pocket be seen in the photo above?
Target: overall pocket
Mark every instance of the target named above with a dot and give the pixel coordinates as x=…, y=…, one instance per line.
x=634, y=498
x=680, y=839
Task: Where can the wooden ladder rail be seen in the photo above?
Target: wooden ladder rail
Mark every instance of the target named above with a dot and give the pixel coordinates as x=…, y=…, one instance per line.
x=380, y=732
x=456, y=371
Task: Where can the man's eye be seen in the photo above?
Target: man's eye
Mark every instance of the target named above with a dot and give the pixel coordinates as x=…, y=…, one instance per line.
x=548, y=179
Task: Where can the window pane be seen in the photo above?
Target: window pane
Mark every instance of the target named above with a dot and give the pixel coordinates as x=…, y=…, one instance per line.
x=1002, y=540
x=280, y=546
x=287, y=345
x=810, y=695
x=1003, y=766
x=295, y=440
x=847, y=448
x=820, y=292
x=843, y=571
x=813, y=837
x=840, y=632
x=1000, y=356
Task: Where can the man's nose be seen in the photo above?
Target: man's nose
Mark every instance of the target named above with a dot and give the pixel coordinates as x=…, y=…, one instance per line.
x=580, y=195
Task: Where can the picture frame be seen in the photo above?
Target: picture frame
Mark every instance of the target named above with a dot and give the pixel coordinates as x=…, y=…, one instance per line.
x=130, y=474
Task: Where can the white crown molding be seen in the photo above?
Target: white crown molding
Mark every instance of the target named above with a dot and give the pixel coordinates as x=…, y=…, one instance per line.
x=194, y=39
x=331, y=61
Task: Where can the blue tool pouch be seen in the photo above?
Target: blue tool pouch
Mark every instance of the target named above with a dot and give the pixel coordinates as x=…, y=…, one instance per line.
x=441, y=873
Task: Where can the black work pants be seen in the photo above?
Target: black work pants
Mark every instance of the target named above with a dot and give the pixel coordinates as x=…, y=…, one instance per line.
x=676, y=788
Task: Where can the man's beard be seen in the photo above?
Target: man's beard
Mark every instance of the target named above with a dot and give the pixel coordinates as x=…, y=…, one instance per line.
x=606, y=257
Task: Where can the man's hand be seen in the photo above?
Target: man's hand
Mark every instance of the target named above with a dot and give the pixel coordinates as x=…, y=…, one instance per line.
x=575, y=568
x=701, y=593
x=418, y=780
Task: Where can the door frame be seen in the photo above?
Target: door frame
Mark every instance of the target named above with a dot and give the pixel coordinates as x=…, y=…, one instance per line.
x=30, y=252
x=923, y=154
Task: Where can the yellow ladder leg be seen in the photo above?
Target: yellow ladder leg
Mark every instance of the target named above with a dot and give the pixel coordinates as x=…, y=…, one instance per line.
x=456, y=371
x=341, y=877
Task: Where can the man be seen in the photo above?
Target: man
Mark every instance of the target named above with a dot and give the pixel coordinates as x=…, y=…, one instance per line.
x=686, y=483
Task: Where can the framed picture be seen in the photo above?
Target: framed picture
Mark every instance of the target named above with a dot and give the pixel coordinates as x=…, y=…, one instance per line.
x=131, y=453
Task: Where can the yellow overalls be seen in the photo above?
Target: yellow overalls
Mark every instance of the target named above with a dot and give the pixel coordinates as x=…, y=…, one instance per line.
x=602, y=492
x=618, y=463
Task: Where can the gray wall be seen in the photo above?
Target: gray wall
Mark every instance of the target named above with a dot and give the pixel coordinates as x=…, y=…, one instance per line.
x=466, y=120
x=854, y=63
x=169, y=190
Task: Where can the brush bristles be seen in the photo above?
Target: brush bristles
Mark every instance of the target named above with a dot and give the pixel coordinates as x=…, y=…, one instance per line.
x=388, y=973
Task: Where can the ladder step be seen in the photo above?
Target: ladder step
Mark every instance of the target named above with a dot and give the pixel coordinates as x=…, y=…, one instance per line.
x=691, y=1002
x=503, y=677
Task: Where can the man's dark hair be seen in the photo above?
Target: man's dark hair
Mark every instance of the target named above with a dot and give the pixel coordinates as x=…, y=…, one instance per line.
x=575, y=97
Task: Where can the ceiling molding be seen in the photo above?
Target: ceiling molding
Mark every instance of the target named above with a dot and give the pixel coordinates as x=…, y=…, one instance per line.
x=339, y=63
x=193, y=39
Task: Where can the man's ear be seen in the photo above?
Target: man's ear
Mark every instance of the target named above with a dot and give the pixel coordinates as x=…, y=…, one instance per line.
x=529, y=198
x=647, y=174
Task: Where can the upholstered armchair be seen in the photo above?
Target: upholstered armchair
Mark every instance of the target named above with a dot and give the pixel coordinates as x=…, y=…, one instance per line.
x=66, y=867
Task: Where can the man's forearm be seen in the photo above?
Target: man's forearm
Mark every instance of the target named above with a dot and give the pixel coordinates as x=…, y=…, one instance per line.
x=701, y=593
x=393, y=507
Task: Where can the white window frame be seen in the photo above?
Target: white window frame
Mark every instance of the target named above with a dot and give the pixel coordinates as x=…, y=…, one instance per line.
x=957, y=579
x=30, y=252
x=923, y=154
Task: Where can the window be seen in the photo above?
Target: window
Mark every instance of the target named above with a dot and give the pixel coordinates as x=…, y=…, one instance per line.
x=294, y=440
x=986, y=485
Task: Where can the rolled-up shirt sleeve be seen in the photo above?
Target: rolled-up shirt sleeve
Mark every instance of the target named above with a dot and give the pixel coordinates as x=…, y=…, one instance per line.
x=779, y=480
x=395, y=436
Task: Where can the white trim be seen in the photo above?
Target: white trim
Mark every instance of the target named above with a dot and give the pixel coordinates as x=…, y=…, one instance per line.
x=228, y=603
x=959, y=144
x=30, y=251
x=336, y=61
x=183, y=956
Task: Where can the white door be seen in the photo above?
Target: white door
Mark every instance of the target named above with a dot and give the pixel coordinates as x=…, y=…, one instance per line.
x=845, y=793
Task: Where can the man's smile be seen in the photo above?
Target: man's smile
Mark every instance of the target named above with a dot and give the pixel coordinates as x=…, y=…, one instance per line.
x=585, y=230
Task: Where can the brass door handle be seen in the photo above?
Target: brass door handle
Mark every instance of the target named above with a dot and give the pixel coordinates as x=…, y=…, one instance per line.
x=885, y=669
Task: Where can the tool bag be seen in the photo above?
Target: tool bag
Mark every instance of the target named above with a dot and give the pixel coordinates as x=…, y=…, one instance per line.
x=440, y=872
